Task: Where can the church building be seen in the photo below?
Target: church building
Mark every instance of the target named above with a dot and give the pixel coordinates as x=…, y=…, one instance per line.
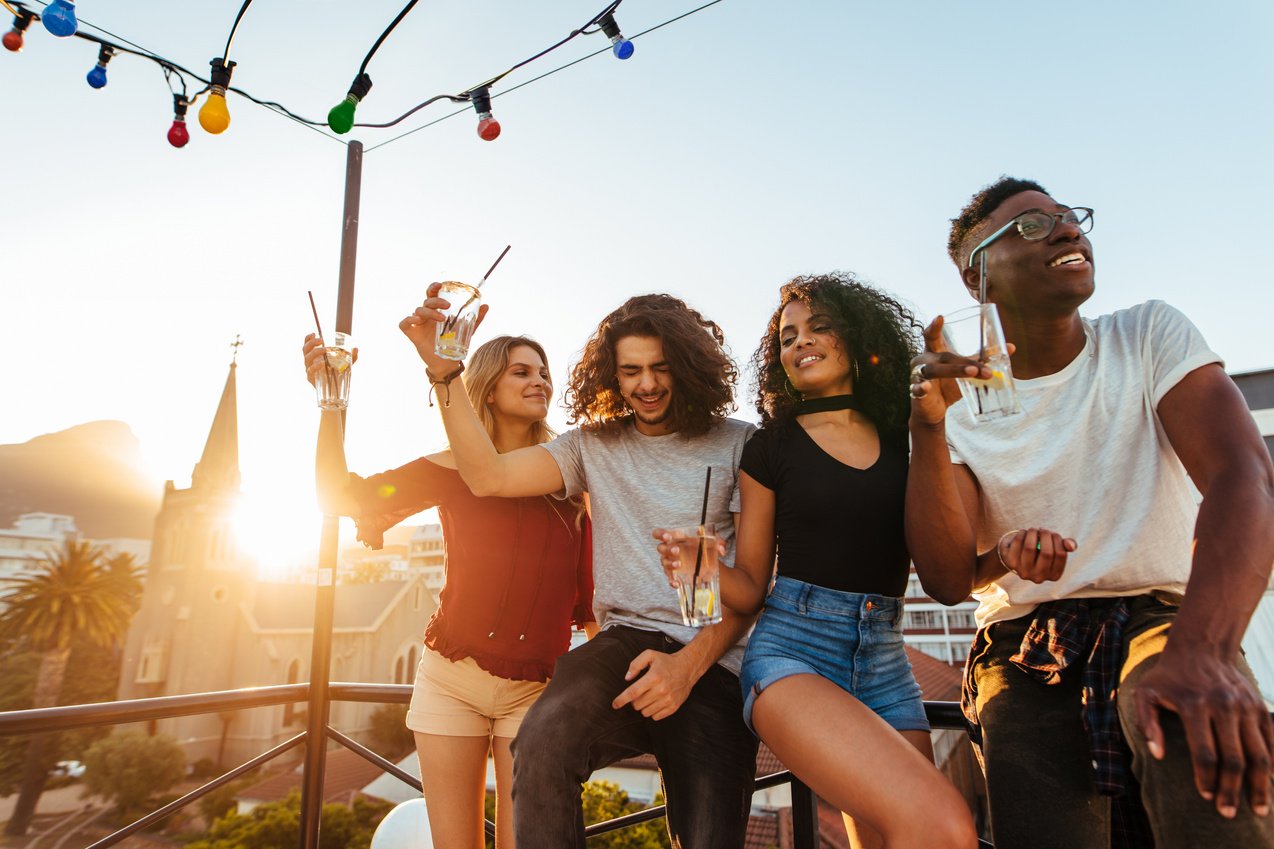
x=207, y=624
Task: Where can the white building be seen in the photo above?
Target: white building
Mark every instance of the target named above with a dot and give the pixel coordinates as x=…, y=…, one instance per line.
x=944, y=633
x=35, y=537
x=1258, y=390
x=32, y=539
x=426, y=556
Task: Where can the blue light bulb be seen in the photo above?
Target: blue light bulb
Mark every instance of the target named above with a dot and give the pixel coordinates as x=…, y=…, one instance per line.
x=621, y=47
x=59, y=18
x=97, y=76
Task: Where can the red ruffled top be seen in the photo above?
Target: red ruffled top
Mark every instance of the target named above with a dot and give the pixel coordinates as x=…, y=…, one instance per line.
x=519, y=571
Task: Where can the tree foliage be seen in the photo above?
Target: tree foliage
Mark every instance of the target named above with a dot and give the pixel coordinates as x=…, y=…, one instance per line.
x=96, y=679
x=276, y=825
x=131, y=767
x=74, y=597
x=605, y=800
x=390, y=733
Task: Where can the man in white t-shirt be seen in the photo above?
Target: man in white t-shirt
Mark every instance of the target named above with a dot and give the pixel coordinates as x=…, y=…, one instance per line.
x=651, y=391
x=1106, y=686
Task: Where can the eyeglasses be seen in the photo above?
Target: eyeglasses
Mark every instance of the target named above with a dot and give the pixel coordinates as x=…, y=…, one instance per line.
x=1037, y=224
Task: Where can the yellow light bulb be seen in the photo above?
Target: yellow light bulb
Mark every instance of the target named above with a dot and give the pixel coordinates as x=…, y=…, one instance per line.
x=214, y=116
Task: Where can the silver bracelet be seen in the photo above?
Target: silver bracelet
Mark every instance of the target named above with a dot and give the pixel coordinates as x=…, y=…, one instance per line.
x=999, y=552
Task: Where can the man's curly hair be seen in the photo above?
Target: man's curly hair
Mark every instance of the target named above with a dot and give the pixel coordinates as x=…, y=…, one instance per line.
x=968, y=224
x=875, y=330
x=702, y=372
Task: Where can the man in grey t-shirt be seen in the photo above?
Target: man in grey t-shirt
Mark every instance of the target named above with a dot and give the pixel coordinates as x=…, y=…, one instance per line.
x=651, y=393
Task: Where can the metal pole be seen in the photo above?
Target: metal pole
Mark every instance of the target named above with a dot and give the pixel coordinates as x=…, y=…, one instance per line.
x=804, y=816
x=325, y=591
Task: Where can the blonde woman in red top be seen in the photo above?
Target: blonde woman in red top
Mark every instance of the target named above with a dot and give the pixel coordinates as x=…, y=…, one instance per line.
x=518, y=574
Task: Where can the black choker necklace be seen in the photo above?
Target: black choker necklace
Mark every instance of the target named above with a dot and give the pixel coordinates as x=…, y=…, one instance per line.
x=825, y=405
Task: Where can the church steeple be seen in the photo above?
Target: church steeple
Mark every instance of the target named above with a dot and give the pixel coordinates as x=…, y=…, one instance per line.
x=219, y=466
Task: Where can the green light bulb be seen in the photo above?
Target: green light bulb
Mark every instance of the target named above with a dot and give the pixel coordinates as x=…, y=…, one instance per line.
x=341, y=118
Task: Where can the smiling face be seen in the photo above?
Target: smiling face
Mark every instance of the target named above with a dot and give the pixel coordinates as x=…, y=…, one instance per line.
x=1053, y=272
x=524, y=389
x=645, y=382
x=812, y=353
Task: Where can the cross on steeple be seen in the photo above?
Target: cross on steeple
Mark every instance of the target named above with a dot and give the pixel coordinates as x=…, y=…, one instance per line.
x=235, y=346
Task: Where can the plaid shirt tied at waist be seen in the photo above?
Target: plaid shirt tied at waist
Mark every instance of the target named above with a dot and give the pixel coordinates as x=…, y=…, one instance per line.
x=1060, y=633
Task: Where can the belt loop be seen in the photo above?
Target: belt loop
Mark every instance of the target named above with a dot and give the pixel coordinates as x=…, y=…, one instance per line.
x=802, y=603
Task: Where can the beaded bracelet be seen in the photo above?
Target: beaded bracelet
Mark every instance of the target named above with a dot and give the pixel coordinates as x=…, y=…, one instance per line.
x=444, y=382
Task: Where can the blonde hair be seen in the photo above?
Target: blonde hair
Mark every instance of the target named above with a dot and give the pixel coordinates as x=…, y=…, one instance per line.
x=485, y=368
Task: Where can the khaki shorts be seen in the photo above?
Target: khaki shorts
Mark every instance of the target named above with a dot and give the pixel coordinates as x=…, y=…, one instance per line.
x=461, y=699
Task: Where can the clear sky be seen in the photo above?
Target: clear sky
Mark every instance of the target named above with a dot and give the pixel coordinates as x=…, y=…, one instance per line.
x=742, y=145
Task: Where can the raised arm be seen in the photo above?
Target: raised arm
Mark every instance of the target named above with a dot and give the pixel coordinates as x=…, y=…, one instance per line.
x=330, y=471
x=524, y=472
x=942, y=497
x=1226, y=723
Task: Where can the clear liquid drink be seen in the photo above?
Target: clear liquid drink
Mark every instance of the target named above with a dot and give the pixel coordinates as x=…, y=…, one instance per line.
x=333, y=380
x=698, y=576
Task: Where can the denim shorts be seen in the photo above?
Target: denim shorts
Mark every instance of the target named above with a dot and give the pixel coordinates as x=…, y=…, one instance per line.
x=853, y=640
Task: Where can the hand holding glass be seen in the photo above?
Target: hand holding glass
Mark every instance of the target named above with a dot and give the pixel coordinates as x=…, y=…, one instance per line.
x=698, y=575
x=976, y=333
x=455, y=331
x=331, y=382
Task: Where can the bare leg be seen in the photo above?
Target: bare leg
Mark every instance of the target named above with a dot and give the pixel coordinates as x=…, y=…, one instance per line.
x=860, y=835
x=503, y=756
x=453, y=771
x=853, y=759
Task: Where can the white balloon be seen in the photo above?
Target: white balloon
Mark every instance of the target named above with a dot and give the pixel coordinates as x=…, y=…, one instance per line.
x=406, y=826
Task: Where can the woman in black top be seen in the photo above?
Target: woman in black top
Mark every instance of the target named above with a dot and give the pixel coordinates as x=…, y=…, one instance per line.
x=826, y=680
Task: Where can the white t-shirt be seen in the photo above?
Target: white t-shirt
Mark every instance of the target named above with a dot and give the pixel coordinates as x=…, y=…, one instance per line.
x=1088, y=458
x=637, y=483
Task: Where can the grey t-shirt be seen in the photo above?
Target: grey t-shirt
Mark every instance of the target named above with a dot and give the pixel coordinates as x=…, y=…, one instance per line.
x=637, y=483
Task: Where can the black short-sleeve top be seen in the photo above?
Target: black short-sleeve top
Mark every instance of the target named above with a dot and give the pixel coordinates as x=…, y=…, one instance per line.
x=836, y=526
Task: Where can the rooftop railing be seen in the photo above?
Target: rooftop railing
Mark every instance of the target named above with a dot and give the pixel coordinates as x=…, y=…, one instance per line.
x=804, y=803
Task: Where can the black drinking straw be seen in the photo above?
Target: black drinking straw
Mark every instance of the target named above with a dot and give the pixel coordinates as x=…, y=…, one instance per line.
x=327, y=369
x=451, y=320
x=703, y=517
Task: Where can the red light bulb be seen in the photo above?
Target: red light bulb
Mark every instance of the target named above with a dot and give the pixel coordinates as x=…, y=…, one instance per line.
x=488, y=128
x=13, y=41
x=178, y=135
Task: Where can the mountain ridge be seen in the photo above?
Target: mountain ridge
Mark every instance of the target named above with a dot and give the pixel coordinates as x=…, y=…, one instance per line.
x=92, y=471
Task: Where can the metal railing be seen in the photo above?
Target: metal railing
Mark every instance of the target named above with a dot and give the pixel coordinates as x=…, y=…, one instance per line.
x=804, y=803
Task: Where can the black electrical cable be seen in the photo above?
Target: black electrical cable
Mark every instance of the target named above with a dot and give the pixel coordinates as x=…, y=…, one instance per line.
x=246, y=3
x=541, y=76
x=169, y=67
x=464, y=97
x=362, y=69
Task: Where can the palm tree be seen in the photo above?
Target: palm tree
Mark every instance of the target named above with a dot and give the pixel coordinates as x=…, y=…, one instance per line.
x=75, y=596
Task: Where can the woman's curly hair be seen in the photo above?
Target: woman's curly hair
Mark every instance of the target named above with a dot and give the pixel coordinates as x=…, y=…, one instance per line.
x=702, y=372
x=878, y=333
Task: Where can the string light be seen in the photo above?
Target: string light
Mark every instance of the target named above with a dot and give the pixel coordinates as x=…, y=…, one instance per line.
x=214, y=115
x=59, y=18
x=620, y=46
x=488, y=127
x=178, y=135
x=341, y=118
x=13, y=38
x=97, y=77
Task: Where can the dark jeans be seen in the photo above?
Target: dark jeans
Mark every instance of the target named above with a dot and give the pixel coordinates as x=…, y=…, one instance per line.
x=1036, y=753
x=706, y=755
